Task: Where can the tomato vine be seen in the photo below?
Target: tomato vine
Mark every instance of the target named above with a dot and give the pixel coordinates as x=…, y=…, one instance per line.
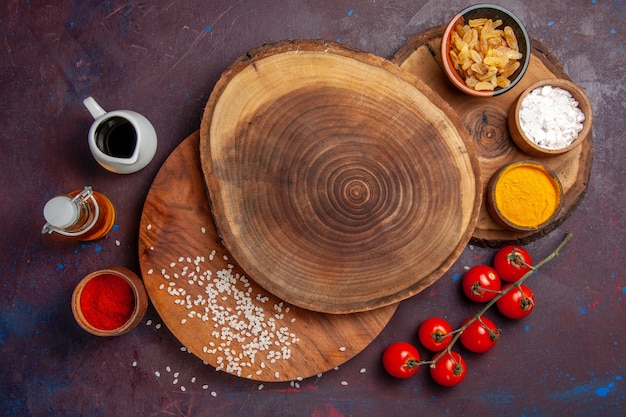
x=454, y=364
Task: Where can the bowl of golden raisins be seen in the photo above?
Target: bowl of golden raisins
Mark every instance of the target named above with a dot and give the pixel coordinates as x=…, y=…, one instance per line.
x=485, y=50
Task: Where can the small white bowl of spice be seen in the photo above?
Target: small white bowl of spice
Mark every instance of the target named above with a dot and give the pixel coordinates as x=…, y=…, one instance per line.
x=550, y=117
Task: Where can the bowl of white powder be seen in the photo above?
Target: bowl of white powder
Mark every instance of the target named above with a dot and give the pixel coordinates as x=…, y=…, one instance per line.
x=550, y=117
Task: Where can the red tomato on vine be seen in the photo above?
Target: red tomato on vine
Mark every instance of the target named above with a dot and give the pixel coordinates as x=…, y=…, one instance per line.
x=435, y=334
x=480, y=336
x=512, y=262
x=401, y=360
x=481, y=283
x=449, y=370
x=517, y=303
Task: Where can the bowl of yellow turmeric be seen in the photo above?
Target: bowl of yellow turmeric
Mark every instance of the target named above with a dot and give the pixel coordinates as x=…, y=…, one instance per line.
x=524, y=196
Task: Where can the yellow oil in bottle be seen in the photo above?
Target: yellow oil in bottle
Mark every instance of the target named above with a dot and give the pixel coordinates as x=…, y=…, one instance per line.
x=81, y=214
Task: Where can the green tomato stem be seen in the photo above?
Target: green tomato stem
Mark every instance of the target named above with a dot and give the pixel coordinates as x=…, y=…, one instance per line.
x=412, y=363
x=457, y=333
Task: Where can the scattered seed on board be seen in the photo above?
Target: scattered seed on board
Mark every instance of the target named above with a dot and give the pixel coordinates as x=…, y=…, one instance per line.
x=149, y=227
x=342, y=349
x=182, y=388
x=117, y=243
x=157, y=374
x=134, y=364
x=205, y=386
x=213, y=394
x=344, y=383
x=249, y=325
x=363, y=370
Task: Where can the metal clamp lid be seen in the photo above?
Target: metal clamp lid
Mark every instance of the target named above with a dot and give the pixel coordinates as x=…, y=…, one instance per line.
x=61, y=212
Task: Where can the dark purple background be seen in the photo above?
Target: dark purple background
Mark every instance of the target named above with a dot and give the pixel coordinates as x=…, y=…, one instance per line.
x=162, y=58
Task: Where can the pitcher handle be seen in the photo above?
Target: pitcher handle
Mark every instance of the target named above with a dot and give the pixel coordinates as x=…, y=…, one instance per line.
x=93, y=107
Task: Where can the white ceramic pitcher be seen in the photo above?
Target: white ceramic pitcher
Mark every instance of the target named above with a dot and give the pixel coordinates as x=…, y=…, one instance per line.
x=122, y=141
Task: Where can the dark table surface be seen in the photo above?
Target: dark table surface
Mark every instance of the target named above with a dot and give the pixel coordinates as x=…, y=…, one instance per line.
x=162, y=58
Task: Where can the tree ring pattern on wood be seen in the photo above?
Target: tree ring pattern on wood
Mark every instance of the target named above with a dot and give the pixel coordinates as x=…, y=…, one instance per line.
x=487, y=127
x=335, y=182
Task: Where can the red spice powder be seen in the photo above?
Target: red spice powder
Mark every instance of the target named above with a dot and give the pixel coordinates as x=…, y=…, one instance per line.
x=107, y=302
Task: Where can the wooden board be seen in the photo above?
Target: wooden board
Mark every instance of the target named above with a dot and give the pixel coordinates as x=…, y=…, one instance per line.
x=486, y=122
x=179, y=248
x=338, y=181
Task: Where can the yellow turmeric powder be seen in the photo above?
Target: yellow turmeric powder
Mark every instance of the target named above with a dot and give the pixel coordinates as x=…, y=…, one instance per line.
x=526, y=195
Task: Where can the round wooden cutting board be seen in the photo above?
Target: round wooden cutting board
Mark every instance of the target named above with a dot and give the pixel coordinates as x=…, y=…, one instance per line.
x=214, y=309
x=340, y=182
x=486, y=122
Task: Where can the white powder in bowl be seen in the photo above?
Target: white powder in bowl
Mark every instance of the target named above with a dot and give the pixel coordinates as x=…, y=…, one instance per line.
x=550, y=117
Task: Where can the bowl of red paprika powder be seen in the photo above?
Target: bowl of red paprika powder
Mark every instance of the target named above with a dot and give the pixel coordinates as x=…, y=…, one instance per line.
x=109, y=302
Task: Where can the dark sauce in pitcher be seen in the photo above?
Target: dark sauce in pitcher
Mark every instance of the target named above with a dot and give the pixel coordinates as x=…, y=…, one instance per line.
x=116, y=137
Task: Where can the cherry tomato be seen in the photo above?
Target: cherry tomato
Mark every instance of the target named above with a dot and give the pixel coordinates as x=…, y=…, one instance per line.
x=480, y=336
x=517, y=303
x=435, y=334
x=510, y=262
x=449, y=370
x=401, y=360
x=481, y=283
